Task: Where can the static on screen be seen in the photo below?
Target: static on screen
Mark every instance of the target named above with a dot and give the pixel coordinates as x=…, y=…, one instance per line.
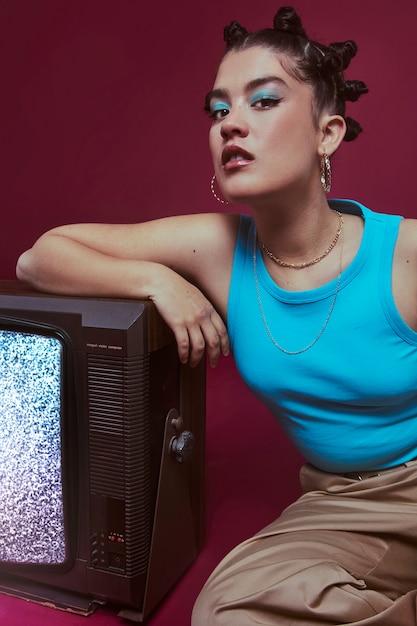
x=31, y=498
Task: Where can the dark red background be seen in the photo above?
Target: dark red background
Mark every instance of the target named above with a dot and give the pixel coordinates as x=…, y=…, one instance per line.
x=101, y=120
x=101, y=107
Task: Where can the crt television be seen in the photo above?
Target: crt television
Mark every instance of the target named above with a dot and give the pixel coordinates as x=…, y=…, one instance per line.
x=102, y=453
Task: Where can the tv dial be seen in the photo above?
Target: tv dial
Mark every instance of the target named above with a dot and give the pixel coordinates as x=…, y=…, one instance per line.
x=182, y=446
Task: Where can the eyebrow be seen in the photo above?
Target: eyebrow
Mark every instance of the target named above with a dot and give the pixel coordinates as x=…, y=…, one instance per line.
x=250, y=86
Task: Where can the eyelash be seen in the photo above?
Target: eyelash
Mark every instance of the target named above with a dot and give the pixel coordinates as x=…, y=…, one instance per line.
x=270, y=100
x=216, y=114
x=265, y=102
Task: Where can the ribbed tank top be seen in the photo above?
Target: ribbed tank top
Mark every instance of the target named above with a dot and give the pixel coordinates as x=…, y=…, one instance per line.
x=350, y=401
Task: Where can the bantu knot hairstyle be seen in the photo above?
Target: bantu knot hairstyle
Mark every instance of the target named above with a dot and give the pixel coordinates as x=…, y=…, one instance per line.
x=307, y=60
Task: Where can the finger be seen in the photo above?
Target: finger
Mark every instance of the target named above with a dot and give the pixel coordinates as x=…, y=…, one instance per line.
x=221, y=329
x=213, y=340
x=183, y=343
x=197, y=345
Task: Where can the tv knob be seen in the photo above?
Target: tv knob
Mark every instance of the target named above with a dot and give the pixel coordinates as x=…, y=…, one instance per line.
x=182, y=446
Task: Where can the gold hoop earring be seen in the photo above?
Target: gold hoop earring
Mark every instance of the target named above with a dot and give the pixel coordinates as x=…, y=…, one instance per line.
x=214, y=193
x=325, y=173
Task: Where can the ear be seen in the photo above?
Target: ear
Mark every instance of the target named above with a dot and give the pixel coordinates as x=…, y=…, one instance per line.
x=333, y=130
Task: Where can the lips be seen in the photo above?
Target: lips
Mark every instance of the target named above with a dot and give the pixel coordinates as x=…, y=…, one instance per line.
x=235, y=156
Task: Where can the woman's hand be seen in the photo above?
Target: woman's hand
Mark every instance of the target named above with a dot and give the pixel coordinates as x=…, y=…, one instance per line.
x=195, y=323
x=153, y=260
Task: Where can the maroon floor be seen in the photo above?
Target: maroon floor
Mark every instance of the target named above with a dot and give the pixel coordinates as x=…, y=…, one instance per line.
x=252, y=473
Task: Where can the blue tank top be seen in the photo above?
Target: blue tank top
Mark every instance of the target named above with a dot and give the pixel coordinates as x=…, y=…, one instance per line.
x=350, y=401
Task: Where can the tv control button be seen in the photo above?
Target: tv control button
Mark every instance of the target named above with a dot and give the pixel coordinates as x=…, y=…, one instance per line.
x=182, y=446
x=117, y=560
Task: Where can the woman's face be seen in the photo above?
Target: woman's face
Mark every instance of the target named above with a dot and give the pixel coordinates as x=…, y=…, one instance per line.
x=263, y=139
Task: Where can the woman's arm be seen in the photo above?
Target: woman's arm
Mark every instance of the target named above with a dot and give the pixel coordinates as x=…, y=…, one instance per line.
x=182, y=264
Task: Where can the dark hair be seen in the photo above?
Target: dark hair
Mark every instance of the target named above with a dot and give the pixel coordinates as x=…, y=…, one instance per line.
x=308, y=61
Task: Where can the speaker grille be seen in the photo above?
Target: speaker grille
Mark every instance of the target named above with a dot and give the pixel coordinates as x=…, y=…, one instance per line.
x=119, y=442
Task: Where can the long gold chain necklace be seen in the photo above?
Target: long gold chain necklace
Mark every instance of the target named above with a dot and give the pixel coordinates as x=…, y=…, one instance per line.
x=332, y=304
x=300, y=266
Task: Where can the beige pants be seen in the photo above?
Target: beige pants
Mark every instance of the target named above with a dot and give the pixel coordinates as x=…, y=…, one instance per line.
x=344, y=553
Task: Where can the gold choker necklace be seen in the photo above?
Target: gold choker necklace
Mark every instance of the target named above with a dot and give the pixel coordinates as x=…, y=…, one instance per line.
x=300, y=266
x=329, y=313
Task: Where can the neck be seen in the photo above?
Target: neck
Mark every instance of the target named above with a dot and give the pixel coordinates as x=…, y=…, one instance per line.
x=299, y=233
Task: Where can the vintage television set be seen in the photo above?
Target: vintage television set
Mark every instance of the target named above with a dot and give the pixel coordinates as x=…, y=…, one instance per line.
x=102, y=453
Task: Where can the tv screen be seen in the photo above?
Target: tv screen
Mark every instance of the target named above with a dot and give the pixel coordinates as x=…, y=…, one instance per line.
x=31, y=369
x=102, y=449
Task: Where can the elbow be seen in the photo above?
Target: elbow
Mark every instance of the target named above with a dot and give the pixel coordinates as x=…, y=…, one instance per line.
x=33, y=265
x=28, y=270
x=23, y=267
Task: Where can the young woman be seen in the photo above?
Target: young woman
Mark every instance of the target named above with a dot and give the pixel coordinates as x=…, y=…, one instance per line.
x=319, y=301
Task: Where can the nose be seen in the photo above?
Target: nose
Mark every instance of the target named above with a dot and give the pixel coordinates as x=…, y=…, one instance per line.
x=234, y=123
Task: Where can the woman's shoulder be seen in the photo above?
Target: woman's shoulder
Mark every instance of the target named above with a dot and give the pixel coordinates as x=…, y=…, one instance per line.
x=408, y=229
x=407, y=237
x=409, y=225
x=195, y=225
x=213, y=220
